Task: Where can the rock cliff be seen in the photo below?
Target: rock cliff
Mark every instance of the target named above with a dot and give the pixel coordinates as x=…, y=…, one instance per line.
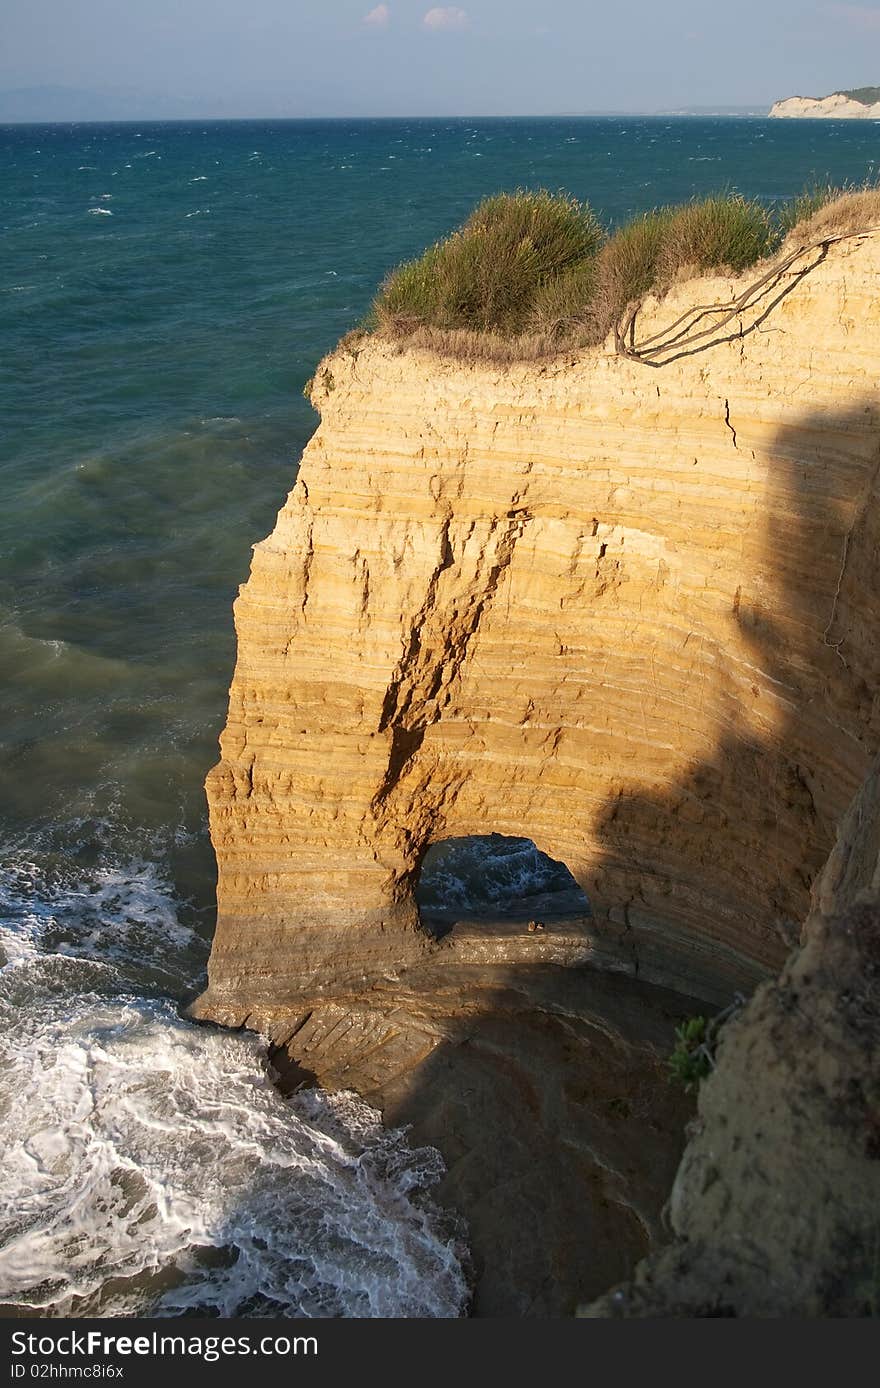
x=838, y=106
x=623, y=604
x=624, y=609
x=774, y=1206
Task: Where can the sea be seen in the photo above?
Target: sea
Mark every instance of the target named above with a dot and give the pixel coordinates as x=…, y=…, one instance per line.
x=165, y=292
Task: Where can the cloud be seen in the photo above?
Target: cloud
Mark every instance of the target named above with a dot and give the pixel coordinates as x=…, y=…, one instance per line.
x=379, y=18
x=858, y=16
x=446, y=17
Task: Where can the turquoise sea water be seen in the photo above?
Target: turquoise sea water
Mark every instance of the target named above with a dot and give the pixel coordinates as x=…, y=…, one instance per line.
x=165, y=291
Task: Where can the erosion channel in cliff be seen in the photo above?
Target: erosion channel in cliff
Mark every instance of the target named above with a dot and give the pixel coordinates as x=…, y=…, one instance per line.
x=622, y=608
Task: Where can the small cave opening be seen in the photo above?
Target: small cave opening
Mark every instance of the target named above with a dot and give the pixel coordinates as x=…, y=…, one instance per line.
x=495, y=877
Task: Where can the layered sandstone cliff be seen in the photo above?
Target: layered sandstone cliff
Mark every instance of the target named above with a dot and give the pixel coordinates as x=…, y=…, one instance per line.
x=625, y=610
x=838, y=106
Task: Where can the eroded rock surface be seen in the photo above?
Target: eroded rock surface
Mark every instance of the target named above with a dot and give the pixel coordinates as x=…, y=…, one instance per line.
x=626, y=611
x=545, y=1088
x=775, y=1205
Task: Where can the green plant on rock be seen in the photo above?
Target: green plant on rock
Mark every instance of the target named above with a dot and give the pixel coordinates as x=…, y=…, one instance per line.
x=696, y=1041
x=691, y=1061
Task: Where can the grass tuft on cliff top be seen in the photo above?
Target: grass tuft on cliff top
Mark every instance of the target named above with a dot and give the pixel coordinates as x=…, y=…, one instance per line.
x=830, y=211
x=530, y=274
x=488, y=276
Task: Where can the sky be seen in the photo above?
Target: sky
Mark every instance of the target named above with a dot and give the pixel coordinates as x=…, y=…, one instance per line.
x=231, y=58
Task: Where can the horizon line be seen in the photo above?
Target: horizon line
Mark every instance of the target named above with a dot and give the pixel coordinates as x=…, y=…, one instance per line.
x=748, y=112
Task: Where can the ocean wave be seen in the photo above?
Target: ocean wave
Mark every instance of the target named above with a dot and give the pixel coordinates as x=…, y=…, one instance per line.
x=125, y=915
x=490, y=873
x=151, y=1167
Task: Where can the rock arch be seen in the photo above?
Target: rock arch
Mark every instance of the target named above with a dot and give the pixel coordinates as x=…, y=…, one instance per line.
x=567, y=601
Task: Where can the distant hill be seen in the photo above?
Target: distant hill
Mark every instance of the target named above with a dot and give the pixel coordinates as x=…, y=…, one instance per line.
x=868, y=96
x=745, y=111
x=858, y=103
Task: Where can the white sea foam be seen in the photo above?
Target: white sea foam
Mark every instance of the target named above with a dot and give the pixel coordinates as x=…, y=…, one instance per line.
x=120, y=914
x=101, y=211
x=145, y=1149
x=488, y=873
x=150, y=1165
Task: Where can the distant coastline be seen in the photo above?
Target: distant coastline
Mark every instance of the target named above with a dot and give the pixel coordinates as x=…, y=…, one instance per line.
x=57, y=105
x=861, y=103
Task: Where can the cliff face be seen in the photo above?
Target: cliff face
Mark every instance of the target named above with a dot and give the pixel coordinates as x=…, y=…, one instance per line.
x=838, y=106
x=627, y=611
x=774, y=1206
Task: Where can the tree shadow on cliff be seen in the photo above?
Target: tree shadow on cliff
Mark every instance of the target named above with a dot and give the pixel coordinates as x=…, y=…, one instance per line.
x=545, y=1089
x=550, y=1104
x=739, y=838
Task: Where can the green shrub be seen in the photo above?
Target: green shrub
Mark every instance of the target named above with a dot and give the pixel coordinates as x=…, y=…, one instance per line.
x=487, y=276
x=696, y=1044
x=691, y=1060
x=719, y=233
x=832, y=212
x=561, y=306
x=627, y=267
x=804, y=206
x=529, y=274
